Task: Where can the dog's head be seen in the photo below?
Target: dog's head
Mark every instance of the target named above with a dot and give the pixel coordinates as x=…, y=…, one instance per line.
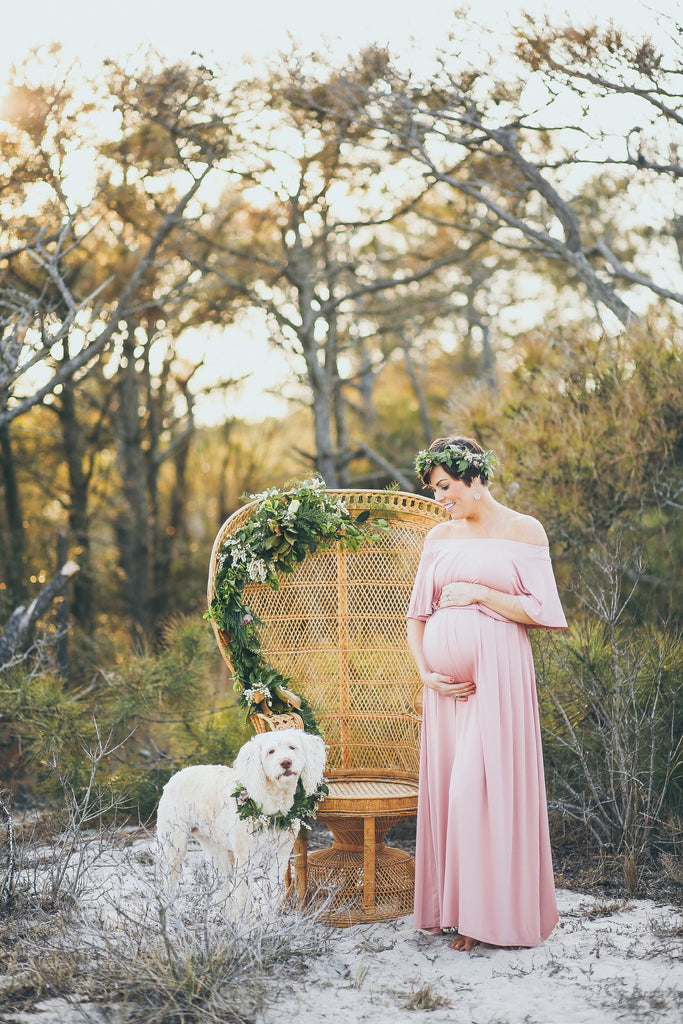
x=271, y=764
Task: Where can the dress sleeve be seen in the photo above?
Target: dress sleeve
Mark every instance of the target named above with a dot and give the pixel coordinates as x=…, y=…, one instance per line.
x=422, y=596
x=537, y=590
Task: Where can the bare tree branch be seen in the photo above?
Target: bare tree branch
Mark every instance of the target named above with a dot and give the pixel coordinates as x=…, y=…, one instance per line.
x=22, y=620
x=89, y=352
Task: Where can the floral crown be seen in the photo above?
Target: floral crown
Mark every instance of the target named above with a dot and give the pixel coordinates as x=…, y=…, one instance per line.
x=458, y=460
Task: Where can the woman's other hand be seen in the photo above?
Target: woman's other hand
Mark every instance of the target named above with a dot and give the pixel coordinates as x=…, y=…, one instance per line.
x=459, y=595
x=446, y=687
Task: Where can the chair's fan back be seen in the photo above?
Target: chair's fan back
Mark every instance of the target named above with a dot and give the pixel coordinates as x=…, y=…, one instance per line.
x=336, y=626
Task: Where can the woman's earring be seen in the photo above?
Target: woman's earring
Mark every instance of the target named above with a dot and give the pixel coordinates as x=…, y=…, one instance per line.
x=477, y=496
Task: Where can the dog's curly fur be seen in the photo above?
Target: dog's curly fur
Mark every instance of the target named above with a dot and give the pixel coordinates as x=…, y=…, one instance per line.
x=198, y=802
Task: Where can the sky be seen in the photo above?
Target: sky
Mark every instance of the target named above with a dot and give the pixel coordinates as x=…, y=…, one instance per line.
x=229, y=31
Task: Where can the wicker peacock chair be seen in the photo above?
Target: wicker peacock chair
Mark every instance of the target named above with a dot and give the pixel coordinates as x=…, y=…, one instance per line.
x=336, y=626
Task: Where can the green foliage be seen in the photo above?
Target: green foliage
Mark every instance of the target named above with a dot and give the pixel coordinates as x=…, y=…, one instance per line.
x=198, y=737
x=459, y=461
x=215, y=738
x=148, y=701
x=136, y=788
x=169, y=677
x=589, y=431
x=612, y=710
x=612, y=714
x=301, y=812
x=43, y=716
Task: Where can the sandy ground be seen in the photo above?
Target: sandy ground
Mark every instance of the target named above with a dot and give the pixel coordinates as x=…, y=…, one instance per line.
x=605, y=963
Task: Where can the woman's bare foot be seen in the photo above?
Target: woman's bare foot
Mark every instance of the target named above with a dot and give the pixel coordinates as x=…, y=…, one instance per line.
x=464, y=943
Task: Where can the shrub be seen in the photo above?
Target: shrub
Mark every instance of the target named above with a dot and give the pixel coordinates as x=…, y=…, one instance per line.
x=157, y=710
x=611, y=694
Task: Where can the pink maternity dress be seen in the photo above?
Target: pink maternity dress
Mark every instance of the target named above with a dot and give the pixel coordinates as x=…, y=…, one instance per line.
x=483, y=860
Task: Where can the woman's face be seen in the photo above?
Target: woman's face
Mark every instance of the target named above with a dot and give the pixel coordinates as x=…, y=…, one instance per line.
x=455, y=496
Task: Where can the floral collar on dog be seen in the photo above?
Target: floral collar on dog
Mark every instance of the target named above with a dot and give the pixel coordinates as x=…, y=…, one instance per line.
x=300, y=813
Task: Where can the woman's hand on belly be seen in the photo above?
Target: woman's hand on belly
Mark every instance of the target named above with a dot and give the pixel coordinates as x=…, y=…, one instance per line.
x=459, y=594
x=446, y=687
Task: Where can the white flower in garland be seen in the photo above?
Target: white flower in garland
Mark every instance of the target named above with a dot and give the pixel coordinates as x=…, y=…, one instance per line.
x=257, y=570
x=234, y=553
x=255, y=695
x=291, y=513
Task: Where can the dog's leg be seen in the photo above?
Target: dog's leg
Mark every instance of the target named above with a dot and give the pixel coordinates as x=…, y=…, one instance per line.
x=283, y=867
x=220, y=857
x=172, y=843
x=270, y=870
x=240, y=895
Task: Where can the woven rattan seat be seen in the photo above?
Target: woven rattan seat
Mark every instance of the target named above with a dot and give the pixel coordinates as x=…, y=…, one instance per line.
x=336, y=627
x=370, y=790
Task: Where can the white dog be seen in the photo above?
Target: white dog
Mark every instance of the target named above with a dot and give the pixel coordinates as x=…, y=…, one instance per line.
x=198, y=802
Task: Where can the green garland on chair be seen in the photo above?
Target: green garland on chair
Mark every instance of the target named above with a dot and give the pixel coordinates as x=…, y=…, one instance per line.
x=284, y=528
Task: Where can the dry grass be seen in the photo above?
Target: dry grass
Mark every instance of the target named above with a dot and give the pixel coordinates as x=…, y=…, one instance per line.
x=673, y=868
x=669, y=930
x=105, y=936
x=425, y=998
x=159, y=962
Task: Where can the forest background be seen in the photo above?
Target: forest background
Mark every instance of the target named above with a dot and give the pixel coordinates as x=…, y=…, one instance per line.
x=493, y=245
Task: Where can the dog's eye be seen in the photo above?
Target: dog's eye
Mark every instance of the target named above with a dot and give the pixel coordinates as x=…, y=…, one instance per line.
x=292, y=747
x=272, y=751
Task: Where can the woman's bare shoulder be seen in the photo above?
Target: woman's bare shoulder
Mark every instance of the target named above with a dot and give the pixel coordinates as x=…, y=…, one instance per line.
x=439, y=531
x=526, y=529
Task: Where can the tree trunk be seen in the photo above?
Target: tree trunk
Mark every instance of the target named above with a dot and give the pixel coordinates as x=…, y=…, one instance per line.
x=338, y=408
x=488, y=358
x=174, y=533
x=83, y=604
x=417, y=390
x=13, y=555
x=325, y=457
x=133, y=523
x=157, y=539
x=322, y=401
x=224, y=505
x=62, y=616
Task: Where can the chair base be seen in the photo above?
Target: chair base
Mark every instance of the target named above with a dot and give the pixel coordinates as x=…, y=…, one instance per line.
x=358, y=878
x=336, y=877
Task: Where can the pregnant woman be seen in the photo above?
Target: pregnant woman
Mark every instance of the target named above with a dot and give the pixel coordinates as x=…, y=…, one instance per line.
x=483, y=860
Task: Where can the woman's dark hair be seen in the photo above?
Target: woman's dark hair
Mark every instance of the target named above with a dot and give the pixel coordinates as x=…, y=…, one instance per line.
x=468, y=473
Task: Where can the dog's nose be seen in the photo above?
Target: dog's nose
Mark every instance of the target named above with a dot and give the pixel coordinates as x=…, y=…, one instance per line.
x=286, y=763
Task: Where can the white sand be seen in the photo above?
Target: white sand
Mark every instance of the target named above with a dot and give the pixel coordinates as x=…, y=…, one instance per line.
x=602, y=965
x=605, y=963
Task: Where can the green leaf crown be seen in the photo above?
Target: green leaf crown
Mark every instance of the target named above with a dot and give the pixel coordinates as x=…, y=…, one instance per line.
x=458, y=460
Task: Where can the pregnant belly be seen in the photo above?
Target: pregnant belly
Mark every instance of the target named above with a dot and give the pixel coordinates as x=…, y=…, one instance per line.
x=451, y=642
